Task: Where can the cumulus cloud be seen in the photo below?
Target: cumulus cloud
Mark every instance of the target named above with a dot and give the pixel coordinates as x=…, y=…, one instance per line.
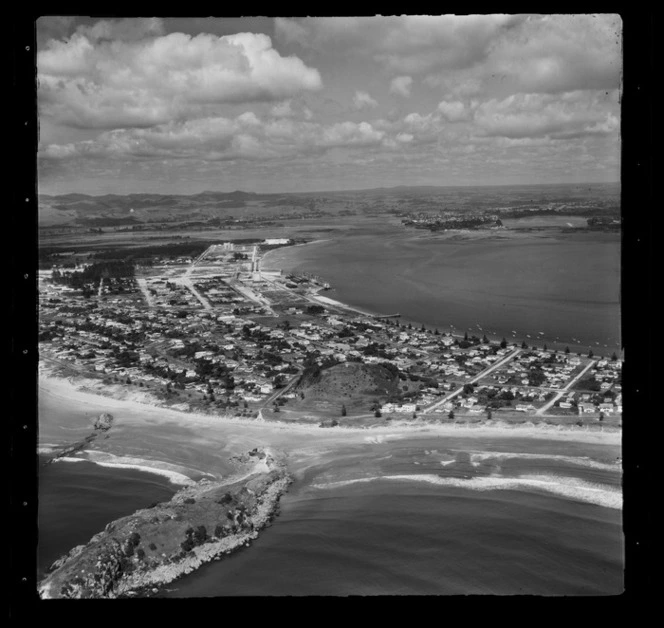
x=562, y=53
x=128, y=29
x=140, y=78
x=282, y=110
x=543, y=54
x=404, y=44
x=244, y=137
x=454, y=111
x=362, y=100
x=575, y=114
x=401, y=86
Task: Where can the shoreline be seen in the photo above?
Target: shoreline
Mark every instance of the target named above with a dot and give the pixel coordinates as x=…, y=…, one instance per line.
x=69, y=390
x=215, y=519
x=532, y=338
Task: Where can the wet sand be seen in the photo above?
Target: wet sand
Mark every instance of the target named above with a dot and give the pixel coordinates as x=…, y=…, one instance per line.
x=194, y=445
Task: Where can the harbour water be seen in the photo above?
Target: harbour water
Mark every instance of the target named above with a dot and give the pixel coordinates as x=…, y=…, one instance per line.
x=560, y=291
x=414, y=515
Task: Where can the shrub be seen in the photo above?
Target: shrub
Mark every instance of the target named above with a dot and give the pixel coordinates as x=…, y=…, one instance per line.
x=152, y=546
x=225, y=499
x=200, y=535
x=190, y=500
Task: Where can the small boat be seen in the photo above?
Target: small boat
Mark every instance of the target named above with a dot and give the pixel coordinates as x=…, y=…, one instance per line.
x=541, y=333
x=527, y=335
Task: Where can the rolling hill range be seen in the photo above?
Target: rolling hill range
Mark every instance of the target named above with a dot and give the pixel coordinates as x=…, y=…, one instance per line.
x=210, y=207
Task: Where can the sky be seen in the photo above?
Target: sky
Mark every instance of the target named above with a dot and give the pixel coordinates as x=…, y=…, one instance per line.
x=183, y=105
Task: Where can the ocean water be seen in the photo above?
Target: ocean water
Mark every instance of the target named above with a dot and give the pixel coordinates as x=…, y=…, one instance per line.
x=567, y=287
x=400, y=519
x=78, y=499
x=415, y=516
x=391, y=514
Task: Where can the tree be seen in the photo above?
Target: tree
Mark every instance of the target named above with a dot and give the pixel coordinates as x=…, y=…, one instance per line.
x=451, y=414
x=503, y=343
x=614, y=357
x=524, y=345
x=465, y=336
x=601, y=416
x=436, y=332
x=343, y=410
x=545, y=348
x=378, y=413
x=489, y=415
x=590, y=353
x=485, y=340
x=566, y=349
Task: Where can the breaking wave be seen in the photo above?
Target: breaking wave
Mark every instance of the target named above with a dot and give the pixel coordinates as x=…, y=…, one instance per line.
x=570, y=488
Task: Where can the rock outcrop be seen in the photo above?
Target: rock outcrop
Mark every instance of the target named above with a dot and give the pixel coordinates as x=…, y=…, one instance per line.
x=154, y=546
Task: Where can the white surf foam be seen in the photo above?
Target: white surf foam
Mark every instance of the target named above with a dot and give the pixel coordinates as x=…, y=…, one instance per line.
x=69, y=459
x=584, y=461
x=173, y=473
x=570, y=488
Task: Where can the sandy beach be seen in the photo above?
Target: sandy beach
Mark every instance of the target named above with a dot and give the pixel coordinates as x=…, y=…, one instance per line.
x=190, y=445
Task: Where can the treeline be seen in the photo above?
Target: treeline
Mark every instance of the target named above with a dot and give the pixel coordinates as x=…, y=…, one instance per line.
x=614, y=212
x=141, y=253
x=93, y=274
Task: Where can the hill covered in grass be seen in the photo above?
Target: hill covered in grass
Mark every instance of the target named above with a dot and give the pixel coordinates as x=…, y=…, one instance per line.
x=352, y=384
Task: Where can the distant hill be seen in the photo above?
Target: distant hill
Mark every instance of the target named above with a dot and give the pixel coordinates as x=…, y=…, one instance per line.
x=211, y=207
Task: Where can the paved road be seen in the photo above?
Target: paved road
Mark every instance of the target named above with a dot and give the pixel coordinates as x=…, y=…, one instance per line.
x=565, y=389
x=281, y=391
x=477, y=377
x=187, y=283
x=143, y=285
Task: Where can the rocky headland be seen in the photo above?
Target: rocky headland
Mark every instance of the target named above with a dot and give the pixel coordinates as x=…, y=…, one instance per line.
x=137, y=554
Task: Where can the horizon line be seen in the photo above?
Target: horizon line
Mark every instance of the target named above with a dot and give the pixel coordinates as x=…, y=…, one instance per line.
x=393, y=187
